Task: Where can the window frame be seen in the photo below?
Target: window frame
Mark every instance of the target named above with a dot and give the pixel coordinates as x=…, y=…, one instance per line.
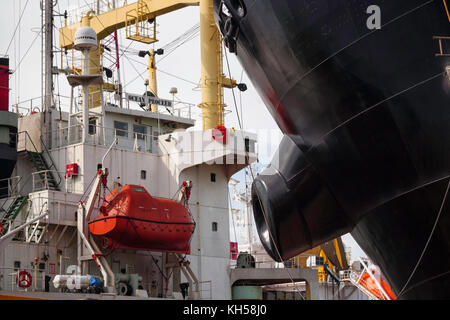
x=119, y=132
x=140, y=135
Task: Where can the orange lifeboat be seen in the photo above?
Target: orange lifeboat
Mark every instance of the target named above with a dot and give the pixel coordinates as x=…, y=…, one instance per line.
x=130, y=218
x=367, y=282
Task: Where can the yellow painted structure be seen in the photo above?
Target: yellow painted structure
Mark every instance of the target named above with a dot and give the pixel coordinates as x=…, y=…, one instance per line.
x=300, y=261
x=213, y=80
x=211, y=52
x=137, y=27
x=134, y=17
x=106, y=23
x=152, y=83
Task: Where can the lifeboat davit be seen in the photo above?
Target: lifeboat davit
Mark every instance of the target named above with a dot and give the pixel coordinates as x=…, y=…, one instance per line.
x=130, y=218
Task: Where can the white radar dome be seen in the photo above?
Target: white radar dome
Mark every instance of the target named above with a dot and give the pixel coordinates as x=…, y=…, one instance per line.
x=85, y=39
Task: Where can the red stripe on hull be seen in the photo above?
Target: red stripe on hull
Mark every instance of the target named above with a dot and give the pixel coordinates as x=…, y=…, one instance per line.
x=4, y=84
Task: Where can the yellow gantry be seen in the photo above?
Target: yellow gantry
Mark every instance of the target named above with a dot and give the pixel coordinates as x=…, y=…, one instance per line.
x=133, y=17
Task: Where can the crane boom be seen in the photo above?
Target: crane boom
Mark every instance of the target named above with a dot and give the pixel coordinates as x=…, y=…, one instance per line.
x=115, y=19
x=135, y=18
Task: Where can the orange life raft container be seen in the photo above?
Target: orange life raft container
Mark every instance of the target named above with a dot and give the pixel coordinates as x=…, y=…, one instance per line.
x=130, y=218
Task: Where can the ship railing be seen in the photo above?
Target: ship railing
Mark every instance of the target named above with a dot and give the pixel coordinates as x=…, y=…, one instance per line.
x=104, y=136
x=346, y=275
x=355, y=279
x=182, y=112
x=264, y=262
x=178, y=109
x=43, y=180
x=269, y=264
x=205, y=290
x=61, y=210
x=8, y=279
x=10, y=187
x=67, y=136
x=34, y=105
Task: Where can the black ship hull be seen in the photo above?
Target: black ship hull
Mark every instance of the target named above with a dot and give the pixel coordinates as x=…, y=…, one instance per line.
x=366, y=115
x=8, y=158
x=8, y=129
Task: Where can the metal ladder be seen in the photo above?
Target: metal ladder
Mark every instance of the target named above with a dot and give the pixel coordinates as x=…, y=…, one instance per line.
x=35, y=232
x=34, y=221
x=12, y=212
x=47, y=171
x=46, y=175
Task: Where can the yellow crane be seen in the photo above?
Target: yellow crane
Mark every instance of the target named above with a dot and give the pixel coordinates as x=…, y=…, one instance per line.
x=139, y=19
x=333, y=255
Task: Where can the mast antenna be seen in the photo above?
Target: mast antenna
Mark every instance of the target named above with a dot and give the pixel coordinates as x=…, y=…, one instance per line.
x=48, y=54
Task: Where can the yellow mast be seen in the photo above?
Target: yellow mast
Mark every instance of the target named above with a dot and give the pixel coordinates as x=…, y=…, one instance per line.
x=213, y=80
x=212, y=101
x=152, y=83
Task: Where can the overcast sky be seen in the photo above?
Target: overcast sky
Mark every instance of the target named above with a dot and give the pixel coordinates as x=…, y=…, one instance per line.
x=25, y=59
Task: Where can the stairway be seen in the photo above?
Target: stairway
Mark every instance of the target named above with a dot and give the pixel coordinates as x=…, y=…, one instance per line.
x=46, y=170
x=46, y=175
x=12, y=212
x=35, y=232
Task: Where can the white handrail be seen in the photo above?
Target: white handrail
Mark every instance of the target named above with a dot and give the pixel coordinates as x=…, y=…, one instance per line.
x=14, y=231
x=376, y=281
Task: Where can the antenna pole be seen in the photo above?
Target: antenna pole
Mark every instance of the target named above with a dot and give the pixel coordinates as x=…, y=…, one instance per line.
x=48, y=30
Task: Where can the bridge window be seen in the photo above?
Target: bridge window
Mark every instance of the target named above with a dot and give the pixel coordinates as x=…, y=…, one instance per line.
x=92, y=126
x=140, y=132
x=121, y=129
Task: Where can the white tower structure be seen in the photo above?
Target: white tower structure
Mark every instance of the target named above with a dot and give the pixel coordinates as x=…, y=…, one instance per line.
x=85, y=41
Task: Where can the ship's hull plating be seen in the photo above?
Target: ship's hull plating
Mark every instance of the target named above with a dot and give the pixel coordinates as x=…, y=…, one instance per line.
x=367, y=117
x=8, y=149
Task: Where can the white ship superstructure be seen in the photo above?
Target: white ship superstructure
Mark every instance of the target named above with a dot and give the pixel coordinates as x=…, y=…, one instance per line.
x=105, y=138
x=59, y=155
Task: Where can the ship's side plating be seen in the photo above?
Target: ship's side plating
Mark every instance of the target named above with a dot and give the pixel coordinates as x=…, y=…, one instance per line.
x=8, y=128
x=366, y=117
